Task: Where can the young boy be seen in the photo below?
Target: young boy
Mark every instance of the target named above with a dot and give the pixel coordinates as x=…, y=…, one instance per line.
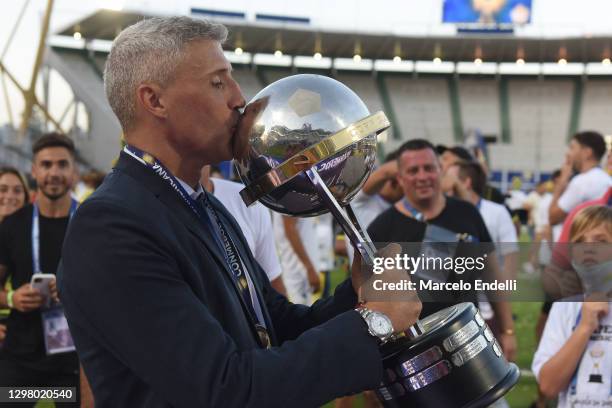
x=574, y=358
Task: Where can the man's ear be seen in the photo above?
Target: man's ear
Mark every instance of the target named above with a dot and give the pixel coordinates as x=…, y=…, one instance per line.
x=468, y=183
x=148, y=96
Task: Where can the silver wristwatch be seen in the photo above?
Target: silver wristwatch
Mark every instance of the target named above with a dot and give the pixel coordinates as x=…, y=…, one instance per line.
x=379, y=325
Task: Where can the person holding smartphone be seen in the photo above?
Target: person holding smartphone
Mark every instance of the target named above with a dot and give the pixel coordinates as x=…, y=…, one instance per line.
x=30, y=244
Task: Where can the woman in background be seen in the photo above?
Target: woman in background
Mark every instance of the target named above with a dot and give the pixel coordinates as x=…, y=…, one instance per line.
x=13, y=191
x=13, y=195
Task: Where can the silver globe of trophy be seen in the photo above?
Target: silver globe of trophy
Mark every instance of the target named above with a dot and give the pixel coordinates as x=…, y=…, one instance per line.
x=304, y=146
x=312, y=145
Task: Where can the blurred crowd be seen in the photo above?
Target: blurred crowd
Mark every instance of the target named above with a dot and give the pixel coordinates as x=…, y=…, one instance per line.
x=418, y=193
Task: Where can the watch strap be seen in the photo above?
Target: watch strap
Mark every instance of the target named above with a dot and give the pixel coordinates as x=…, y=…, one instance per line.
x=365, y=314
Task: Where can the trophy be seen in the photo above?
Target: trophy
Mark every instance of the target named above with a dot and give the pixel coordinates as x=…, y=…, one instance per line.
x=596, y=354
x=312, y=145
x=305, y=146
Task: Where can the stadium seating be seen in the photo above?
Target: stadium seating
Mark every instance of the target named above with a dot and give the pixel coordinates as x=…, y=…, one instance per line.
x=100, y=148
x=540, y=112
x=596, y=108
x=422, y=108
x=479, y=99
x=248, y=81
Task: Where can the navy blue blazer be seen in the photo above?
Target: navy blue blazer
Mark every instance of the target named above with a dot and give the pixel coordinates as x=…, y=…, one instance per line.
x=157, y=321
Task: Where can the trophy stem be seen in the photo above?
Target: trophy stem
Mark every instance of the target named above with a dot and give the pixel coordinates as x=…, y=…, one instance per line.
x=351, y=226
x=347, y=220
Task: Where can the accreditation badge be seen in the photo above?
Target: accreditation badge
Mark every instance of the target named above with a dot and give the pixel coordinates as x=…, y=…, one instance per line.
x=56, y=331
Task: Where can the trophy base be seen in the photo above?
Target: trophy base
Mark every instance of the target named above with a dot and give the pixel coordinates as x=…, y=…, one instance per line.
x=499, y=390
x=455, y=363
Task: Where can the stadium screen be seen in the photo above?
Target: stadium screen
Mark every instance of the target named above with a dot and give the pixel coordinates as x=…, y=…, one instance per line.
x=487, y=12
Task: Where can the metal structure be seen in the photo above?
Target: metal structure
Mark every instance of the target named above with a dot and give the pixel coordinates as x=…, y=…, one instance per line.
x=17, y=136
x=29, y=93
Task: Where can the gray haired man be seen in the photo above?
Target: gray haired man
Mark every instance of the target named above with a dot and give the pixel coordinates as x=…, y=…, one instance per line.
x=167, y=306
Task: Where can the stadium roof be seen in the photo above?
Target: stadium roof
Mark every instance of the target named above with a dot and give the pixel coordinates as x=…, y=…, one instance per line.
x=300, y=39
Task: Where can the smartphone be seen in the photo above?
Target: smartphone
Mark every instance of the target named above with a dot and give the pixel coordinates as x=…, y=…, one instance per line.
x=41, y=282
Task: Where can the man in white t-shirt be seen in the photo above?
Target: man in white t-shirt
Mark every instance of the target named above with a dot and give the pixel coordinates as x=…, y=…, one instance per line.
x=530, y=205
x=544, y=234
x=496, y=216
x=497, y=219
x=583, y=157
x=516, y=197
x=297, y=241
x=380, y=191
x=255, y=222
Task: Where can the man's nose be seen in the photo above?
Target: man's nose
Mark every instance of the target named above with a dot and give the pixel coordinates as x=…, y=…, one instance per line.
x=237, y=101
x=421, y=174
x=54, y=170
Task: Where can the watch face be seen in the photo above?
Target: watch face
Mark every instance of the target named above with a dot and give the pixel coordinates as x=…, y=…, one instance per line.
x=380, y=325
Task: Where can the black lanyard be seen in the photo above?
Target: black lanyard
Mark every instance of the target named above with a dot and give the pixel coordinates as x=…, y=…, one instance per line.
x=206, y=213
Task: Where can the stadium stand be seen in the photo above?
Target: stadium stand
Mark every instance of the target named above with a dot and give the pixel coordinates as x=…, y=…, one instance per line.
x=596, y=110
x=419, y=113
x=248, y=81
x=531, y=116
x=538, y=110
x=101, y=145
x=270, y=75
x=539, y=123
x=363, y=85
x=479, y=98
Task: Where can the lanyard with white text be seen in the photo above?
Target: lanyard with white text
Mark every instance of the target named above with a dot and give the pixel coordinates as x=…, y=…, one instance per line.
x=159, y=169
x=236, y=267
x=415, y=213
x=232, y=258
x=205, y=213
x=36, y=235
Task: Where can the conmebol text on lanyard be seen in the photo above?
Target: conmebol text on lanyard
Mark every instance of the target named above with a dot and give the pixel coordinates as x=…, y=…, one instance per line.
x=206, y=214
